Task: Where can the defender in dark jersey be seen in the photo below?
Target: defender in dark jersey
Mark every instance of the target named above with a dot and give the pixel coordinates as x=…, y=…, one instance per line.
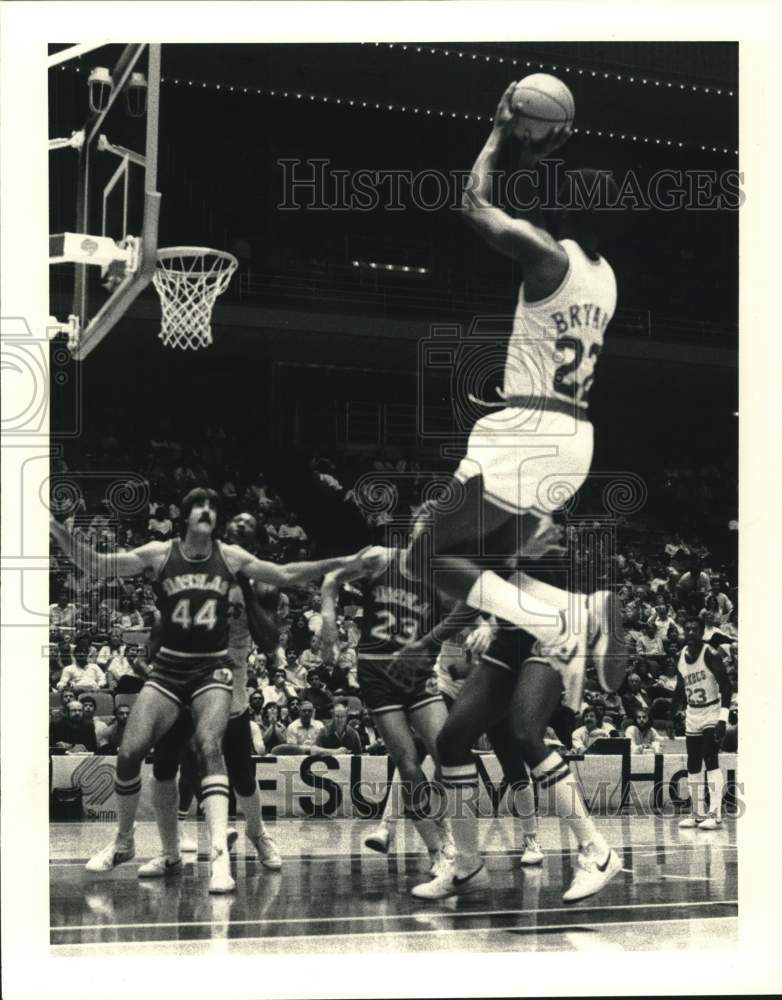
x=194, y=575
x=398, y=609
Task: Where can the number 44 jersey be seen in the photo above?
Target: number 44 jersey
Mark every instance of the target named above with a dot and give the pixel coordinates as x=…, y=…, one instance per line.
x=556, y=341
x=193, y=602
x=398, y=609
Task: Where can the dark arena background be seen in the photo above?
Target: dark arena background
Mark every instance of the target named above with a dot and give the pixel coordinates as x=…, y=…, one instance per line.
x=319, y=376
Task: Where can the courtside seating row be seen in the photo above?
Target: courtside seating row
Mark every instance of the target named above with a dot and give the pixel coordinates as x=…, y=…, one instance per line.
x=105, y=701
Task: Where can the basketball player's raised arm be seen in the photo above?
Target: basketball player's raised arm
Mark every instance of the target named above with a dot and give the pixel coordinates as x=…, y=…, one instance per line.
x=329, y=592
x=517, y=238
x=102, y=565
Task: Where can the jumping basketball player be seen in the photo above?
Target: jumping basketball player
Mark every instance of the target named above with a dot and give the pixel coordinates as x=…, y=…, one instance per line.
x=540, y=437
x=248, y=620
x=512, y=694
x=193, y=576
x=703, y=680
x=398, y=608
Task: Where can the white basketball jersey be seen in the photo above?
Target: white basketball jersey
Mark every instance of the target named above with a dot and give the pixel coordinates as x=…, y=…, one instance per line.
x=239, y=645
x=700, y=684
x=556, y=342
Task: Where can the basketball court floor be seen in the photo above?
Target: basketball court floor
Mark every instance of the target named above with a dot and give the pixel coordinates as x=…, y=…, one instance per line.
x=677, y=890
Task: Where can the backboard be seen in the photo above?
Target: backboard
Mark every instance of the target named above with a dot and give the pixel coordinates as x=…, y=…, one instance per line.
x=104, y=116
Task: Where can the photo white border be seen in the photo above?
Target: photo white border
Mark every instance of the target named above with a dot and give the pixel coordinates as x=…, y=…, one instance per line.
x=28, y=969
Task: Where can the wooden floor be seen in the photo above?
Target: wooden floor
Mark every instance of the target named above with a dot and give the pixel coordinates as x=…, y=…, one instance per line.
x=678, y=890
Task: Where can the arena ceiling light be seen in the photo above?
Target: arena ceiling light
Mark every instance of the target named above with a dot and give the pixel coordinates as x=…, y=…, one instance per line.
x=399, y=268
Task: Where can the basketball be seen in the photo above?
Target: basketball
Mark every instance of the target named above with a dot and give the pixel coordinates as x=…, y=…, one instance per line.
x=539, y=102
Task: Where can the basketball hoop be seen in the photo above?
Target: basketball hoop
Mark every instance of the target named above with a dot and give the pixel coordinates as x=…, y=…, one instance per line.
x=188, y=280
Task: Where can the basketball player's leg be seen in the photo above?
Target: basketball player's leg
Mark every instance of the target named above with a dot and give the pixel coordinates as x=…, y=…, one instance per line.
x=694, y=745
x=715, y=781
x=482, y=699
x=395, y=732
x=189, y=788
x=153, y=714
x=211, y=706
x=510, y=753
x=165, y=799
x=537, y=694
x=239, y=763
x=427, y=717
x=478, y=527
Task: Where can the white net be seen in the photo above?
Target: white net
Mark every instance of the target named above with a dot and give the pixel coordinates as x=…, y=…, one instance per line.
x=188, y=280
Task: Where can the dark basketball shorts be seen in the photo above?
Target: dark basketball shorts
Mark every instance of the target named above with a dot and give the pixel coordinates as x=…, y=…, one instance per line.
x=171, y=751
x=183, y=680
x=512, y=647
x=387, y=687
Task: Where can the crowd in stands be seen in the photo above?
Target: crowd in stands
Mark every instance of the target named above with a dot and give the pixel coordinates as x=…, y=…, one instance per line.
x=99, y=629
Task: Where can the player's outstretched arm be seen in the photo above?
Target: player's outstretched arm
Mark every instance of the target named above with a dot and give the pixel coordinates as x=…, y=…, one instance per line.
x=292, y=574
x=102, y=565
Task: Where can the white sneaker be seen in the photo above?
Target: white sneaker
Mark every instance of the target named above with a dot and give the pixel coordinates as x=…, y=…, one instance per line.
x=381, y=838
x=532, y=853
x=591, y=876
x=220, y=879
x=448, y=883
x=187, y=844
x=712, y=822
x=116, y=853
x=268, y=853
x=690, y=822
x=160, y=867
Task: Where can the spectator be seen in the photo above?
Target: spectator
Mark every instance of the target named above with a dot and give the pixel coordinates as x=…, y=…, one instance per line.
x=318, y=694
x=313, y=616
x=160, y=527
x=662, y=621
x=256, y=707
x=128, y=617
x=81, y=675
x=280, y=690
x=290, y=712
x=73, y=733
x=311, y=658
x=643, y=738
x=694, y=583
x=650, y=646
x=635, y=697
x=90, y=707
x=305, y=730
x=293, y=539
x=613, y=709
x=592, y=729
x=62, y=614
x=369, y=736
x=109, y=734
x=123, y=673
x=272, y=730
x=719, y=602
x=337, y=736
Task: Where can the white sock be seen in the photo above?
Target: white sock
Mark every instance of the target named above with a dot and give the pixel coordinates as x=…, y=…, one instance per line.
x=461, y=804
x=524, y=801
x=716, y=785
x=251, y=807
x=695, y=784
x=565, y=800
x=214, y=801
x=496, y=596
x=126, y=794
x=165, y=800
x=391, y=809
